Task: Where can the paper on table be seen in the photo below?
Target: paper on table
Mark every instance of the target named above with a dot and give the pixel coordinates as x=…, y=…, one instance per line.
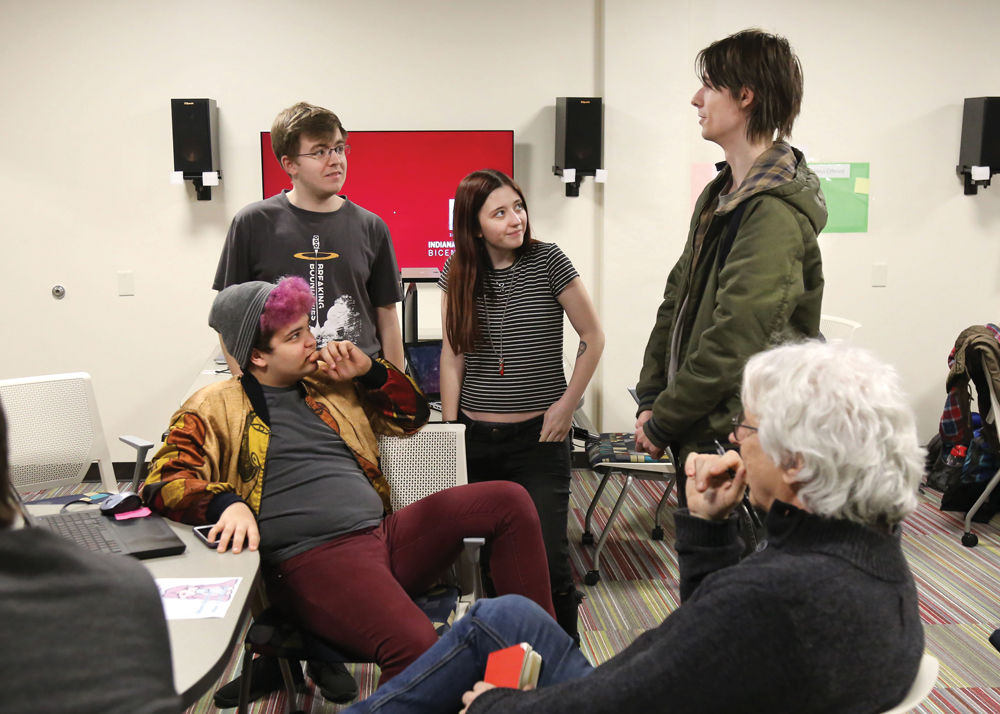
x=63, y=500
x=196, y=598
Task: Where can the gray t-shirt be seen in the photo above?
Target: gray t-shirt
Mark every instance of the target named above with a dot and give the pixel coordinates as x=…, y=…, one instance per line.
x=346, y=256
x=314, y=489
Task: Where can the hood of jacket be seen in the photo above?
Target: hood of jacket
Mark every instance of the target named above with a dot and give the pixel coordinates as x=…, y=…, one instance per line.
x=781, y=172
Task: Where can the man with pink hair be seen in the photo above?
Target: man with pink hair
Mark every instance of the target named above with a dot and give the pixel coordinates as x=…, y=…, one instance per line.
x=285, y=460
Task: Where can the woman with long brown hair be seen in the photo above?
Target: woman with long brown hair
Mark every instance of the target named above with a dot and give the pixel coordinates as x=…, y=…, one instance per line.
x=502, y=360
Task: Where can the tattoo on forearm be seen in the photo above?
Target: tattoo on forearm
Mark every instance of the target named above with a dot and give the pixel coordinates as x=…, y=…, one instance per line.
x=581, y=350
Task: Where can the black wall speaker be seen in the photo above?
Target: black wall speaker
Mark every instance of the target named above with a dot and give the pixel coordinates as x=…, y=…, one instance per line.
x=196, y=136
x=981, y=133
x=579, y=134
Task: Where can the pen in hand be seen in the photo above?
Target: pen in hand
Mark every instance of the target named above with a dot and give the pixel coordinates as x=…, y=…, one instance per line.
x=746, y=492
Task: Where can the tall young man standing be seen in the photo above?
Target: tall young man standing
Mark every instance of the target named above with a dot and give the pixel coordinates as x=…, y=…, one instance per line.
x=751, y=271
x=343, y=251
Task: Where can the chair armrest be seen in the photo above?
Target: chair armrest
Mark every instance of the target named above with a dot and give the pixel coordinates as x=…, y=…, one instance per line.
x=141, y=447
x=473, y=546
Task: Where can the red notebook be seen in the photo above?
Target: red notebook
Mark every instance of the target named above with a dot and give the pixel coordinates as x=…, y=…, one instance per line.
x=515, y=667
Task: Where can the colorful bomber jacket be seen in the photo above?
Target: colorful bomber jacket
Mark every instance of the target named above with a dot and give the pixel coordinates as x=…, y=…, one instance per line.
x=216, y=450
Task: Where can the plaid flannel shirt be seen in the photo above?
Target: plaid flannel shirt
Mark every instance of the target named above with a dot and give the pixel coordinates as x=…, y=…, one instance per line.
x=952, y=425
x=774, y=167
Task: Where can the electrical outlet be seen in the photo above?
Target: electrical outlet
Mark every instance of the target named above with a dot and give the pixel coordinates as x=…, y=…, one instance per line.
x=126, y=283
x=880, y=275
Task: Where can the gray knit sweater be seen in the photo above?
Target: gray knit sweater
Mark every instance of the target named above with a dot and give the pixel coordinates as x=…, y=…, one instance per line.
x=823, y=619
x=80, y=632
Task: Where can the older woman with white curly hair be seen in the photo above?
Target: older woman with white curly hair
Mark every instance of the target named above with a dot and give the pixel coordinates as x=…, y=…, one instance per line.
x=822, y=618
x=834, y=423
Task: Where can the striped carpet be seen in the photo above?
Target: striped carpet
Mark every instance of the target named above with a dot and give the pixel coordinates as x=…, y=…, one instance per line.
x=959, y=595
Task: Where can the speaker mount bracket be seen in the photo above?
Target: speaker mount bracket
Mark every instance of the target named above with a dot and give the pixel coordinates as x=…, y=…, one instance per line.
x=971, y=184
x=203, y=192
x=573, y=187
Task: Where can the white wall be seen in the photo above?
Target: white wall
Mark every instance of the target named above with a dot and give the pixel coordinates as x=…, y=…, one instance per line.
x=85, y=153
x=884, y=83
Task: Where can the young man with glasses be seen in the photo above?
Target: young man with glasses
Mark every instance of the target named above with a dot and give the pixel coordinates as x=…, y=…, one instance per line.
x=343, y=251
x=751, y=273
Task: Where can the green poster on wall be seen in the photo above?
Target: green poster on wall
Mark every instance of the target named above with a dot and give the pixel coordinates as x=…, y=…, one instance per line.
x=845, y=187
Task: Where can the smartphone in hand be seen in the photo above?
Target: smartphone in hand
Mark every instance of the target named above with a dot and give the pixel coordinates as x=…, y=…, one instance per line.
x=202, y=533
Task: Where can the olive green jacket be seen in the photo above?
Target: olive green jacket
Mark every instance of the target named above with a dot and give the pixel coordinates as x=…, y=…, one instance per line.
x=769, y=290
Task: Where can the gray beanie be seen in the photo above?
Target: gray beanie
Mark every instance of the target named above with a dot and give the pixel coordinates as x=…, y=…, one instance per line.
x=236, y=315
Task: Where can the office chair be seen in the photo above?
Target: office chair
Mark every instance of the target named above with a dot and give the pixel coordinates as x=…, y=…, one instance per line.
x=837, y=328
x=921, y=687
x=613, y=454
x=431, y=460
x=56, y=433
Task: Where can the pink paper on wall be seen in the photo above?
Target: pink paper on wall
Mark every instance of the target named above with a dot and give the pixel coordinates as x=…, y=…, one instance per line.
x=701, y=175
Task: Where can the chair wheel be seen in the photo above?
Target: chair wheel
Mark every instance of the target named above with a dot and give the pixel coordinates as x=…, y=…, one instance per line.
x=658, y=533
x=592, y=577
x=588, y=539
x=970, y=540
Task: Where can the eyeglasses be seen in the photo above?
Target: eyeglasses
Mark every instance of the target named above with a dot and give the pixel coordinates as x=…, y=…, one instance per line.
x=740, y=430
x=324, y=154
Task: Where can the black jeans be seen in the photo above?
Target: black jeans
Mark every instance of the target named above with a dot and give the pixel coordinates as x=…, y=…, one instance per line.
x=512, y=452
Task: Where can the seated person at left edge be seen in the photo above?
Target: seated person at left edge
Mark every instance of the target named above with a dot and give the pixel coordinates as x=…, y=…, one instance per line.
x=285, y=458
x=59, y=639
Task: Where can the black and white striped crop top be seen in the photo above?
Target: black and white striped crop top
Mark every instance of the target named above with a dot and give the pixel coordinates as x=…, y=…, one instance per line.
x=529, y=334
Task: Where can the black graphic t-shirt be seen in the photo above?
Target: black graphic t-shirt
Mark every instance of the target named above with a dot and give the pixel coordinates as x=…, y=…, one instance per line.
x=346, y=257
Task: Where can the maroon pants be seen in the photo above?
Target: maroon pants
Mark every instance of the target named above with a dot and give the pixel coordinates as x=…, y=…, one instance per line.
x=356, y=591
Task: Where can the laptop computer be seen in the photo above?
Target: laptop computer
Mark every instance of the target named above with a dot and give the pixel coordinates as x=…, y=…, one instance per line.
x=142, y=538
x=424, y=360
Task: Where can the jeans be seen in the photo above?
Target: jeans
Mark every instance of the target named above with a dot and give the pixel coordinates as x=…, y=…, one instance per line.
x=512, y=452
x=442, y=674
x=356, y=591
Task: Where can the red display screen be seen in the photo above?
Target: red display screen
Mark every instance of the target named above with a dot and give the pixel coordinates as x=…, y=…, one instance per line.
x=408, y=178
